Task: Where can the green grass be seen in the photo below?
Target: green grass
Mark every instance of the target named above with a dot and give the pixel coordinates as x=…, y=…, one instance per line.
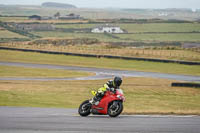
x=8, y=34
x=161, y=37
x=148, y=27
x=143, y=95
x=161, y=27
x=16, y=56
x=141, y=28
x=101, y=37
x=13, y=19
x=179, y=37
x=11, y=71
x=76, y=26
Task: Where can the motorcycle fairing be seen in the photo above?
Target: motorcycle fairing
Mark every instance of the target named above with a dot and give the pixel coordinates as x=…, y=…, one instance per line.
x=102, y=107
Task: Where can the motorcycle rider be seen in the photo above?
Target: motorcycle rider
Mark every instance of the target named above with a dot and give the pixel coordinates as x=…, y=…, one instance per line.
x=111, y=85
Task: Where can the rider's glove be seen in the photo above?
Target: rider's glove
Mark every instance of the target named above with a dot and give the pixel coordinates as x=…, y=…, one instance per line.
x=100, y=93
x=111, y=89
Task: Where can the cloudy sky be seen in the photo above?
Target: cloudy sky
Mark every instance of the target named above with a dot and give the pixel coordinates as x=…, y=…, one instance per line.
x=116, y=3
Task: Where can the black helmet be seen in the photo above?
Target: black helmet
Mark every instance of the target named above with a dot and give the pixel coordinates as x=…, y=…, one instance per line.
x=117, y=81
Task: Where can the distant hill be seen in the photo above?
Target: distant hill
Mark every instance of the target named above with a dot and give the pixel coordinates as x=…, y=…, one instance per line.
x=58, y=5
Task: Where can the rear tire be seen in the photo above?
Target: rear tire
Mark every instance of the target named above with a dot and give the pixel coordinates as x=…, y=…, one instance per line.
x=114, y=112
x=84, y=108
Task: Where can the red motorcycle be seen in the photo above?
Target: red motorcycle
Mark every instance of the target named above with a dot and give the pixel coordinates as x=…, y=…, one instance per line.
x=111, y=104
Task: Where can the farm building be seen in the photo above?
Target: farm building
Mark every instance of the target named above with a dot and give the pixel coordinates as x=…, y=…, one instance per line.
x=107, y=29
x=35, y=17
x=55, y=17
x=70, y=16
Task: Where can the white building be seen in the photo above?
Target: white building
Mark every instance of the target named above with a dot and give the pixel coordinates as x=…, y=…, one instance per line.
x=107, y=29
x=163, y=14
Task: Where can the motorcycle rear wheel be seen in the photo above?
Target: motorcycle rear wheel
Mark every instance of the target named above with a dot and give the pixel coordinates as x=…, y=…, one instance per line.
x=115, y=111
x=84, y=108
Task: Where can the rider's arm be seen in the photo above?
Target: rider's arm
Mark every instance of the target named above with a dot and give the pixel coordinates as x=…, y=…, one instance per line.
x=103, y=89
x=108, y=86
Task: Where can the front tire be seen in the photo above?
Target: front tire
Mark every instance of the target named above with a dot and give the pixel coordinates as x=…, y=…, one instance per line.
x=115, y=108
x=84, y=108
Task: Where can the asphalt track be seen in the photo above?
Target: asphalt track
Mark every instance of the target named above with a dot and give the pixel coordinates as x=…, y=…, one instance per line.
x=52, y=120
x=101, y=73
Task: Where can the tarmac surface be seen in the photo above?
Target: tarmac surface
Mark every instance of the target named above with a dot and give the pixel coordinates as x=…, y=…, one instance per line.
x=101, y=73
x=53, y=120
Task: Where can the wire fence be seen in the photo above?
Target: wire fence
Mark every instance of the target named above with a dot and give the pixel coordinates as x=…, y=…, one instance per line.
x=188, y=55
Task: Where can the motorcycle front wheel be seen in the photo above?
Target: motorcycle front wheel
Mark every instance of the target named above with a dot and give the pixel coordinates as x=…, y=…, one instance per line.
x=84, y=108
x=115, y=108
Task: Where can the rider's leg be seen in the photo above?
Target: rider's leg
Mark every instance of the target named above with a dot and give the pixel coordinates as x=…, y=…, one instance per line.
x=97, y=98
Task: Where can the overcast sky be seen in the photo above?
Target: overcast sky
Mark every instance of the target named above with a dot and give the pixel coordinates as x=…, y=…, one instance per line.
x=116, y=3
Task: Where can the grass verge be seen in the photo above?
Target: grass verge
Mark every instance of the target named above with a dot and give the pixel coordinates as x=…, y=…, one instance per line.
x=30, y=57
x=143, y=95
x=11, y=71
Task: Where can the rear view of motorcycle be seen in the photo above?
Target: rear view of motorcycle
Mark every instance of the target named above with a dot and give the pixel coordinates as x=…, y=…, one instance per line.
x=111, y=104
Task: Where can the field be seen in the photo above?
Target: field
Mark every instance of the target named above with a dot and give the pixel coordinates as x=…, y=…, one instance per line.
x=143, y=27
x=158, y=32
x=8, y=34
x=11, y=71
x=56, y=34
x=176, y=37
x=13, y=19
x=13, y=56
x=143, y=95
x=161, y=27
